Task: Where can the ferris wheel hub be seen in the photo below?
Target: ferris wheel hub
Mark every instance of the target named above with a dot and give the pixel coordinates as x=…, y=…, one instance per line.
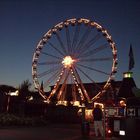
x=68, y=61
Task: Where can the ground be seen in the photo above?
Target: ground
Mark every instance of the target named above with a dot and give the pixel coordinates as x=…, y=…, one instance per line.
x=49, y=132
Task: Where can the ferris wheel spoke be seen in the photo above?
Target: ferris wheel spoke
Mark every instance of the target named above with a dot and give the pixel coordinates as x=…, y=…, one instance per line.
x=57, y=85
x=48, y=54
x=51, y=70
x=83, y=39
x=51, y=78
x=90, y=43
x=86, y=75
x=77, y=83
x=96, y=59
x=73, y=88
x=76, y=36
x=52, y=45
x=81, y=84
x=95, y=50
x=74, y=92
x=63, y=86
x=61, y=43
x=63, y=97
x=68, y=40
x=90, y=68
x=49, y=63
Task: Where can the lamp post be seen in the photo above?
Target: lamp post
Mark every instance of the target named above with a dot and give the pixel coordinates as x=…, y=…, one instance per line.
x=9, y=94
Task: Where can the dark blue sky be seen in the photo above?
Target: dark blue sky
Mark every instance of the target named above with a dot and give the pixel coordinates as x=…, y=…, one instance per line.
x=23, y=23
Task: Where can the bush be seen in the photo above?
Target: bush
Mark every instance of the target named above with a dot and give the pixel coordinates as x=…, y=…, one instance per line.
x=13, y=120
x=8, y=119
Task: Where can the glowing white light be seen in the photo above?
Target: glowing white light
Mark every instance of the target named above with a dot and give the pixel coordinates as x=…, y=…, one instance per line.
x=67, y=61
x=16, y=93
x=62, y=103
x=47, y=101
x=30, y=98
x=76, y=103
x=122, y=132
x=127, y=75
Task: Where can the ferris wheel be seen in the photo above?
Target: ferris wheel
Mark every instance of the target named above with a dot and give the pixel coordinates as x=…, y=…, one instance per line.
x=70, y=55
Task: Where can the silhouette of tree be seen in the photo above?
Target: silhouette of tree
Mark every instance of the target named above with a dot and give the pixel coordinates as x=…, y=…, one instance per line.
x=6, y=88
x=24, y=93
x=24, y=90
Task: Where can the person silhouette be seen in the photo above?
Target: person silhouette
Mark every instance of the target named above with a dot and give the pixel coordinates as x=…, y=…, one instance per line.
x=98, y=116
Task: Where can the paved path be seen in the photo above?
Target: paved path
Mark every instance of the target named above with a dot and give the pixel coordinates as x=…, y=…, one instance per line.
x=50, y=132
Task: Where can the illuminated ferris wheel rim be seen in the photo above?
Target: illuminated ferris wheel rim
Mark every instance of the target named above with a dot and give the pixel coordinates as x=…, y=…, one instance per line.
x=59, y=27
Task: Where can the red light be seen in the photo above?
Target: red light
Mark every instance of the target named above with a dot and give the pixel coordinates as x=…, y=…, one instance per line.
x=109, y=131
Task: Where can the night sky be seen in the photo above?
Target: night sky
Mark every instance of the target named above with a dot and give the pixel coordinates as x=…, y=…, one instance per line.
x=24, y=22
